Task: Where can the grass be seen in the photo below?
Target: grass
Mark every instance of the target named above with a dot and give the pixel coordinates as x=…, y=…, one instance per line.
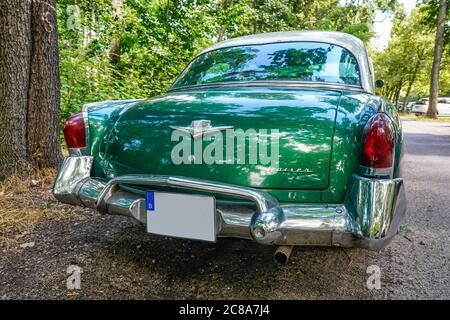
x=423, y=118
x=26, y=202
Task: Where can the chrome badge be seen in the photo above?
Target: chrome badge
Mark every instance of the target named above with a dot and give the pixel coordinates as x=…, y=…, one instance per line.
x=200, y=128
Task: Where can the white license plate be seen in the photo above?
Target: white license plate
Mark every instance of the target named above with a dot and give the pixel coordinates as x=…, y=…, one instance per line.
x=181, y=215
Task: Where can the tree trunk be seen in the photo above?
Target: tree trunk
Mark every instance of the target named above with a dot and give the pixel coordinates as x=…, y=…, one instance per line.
x=413, y=78
x=167, y=22
x=223, y=7
x=29, y=86
x=397, y=95
x=15, y=52
x=435, y=70
x=221, y=34
x=390, y=93
x=114, y=50
x=408, y=91
x=43, y=145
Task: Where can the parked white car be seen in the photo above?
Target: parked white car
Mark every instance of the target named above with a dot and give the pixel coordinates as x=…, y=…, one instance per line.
x=443, y=107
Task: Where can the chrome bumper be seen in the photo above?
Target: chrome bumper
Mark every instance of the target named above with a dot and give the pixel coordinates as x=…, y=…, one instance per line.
x=368, y=218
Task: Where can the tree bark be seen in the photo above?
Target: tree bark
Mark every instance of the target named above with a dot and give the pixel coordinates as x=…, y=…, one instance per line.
x=29, y=86
x=115, y=49
x=397, y=94
x=223, y=6
x=15, y=53
x=167, y=22
x=43, y=144
x=413, y=78
x=435, y=70
x=221, y=34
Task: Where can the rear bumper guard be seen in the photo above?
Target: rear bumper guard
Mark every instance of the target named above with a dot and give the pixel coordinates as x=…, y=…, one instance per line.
x=368, y=218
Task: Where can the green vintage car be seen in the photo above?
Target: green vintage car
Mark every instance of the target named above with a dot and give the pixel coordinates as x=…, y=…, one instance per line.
x=274, y=137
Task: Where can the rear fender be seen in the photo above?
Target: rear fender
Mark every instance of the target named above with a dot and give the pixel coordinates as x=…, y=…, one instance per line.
x=100, y=118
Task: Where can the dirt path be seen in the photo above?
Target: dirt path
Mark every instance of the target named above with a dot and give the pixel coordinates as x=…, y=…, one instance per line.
x=119, y=260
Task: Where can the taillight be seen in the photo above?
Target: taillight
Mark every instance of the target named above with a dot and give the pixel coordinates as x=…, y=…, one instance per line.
x=75, y=131
x=377, y=152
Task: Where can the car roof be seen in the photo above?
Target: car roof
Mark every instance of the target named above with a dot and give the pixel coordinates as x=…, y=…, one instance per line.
x=347, y=41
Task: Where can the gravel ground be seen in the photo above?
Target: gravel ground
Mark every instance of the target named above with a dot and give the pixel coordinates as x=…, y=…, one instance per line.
x=120, y=261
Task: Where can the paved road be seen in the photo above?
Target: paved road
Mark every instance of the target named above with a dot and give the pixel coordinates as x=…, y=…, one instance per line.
x=120, y=261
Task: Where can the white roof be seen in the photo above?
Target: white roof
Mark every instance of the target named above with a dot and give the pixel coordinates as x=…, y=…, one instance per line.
x=347, y=41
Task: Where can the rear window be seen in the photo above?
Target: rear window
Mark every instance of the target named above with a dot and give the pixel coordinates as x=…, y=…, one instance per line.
x=294, y=61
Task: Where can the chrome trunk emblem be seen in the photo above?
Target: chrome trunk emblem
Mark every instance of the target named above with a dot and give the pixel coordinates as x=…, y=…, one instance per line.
x=200, y=128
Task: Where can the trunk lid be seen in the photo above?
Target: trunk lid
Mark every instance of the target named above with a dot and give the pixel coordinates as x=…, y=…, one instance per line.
x=140, y=141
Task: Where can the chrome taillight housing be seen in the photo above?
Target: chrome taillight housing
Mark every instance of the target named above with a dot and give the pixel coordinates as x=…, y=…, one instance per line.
x=75, y=131
x=378, y=147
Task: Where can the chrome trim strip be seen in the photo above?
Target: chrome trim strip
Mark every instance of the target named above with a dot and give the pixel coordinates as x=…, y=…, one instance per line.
x=273, y=83
x=376, y=172
x=76, y=151
x=84, y=112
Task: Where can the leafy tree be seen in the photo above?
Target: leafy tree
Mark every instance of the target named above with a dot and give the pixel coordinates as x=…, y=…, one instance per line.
x=139, y=54
x=406, y=57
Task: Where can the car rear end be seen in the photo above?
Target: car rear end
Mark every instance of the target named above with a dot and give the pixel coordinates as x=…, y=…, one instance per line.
x=329, y=175
x=357, y=201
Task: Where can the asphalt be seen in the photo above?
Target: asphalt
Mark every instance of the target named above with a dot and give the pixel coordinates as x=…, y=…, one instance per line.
x=119, y=260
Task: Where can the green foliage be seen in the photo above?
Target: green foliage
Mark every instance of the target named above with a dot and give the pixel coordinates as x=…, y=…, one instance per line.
x=407, y=55
x=155, y=39
x=405, y=64
x=430, y=9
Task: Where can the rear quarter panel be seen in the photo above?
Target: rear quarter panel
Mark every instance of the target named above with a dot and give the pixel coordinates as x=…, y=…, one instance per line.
x=101, y=118
x=354, y=111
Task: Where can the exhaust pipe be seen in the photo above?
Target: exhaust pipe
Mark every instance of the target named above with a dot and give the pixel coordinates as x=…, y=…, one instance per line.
x=282, y=254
